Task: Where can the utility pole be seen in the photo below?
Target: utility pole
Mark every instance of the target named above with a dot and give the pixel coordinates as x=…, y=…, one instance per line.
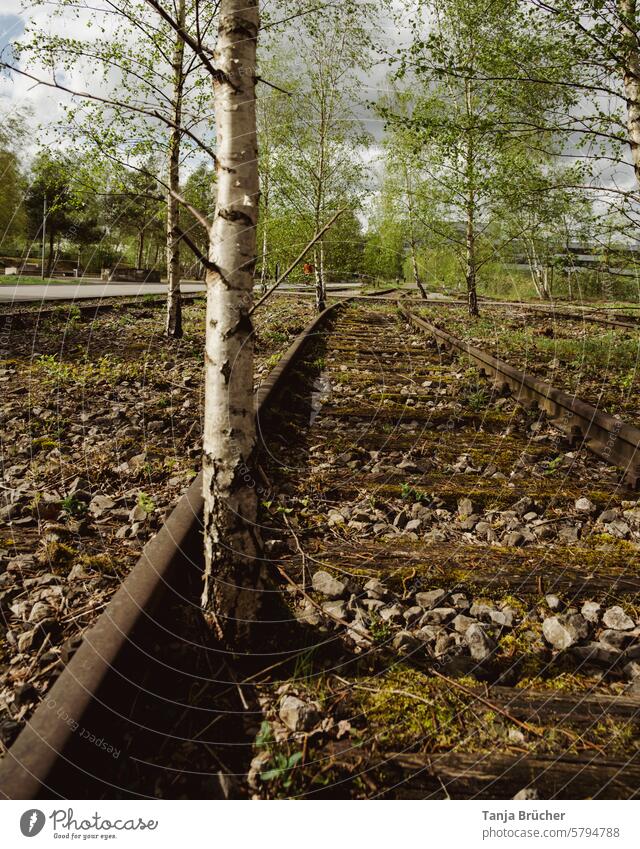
x=44, y=230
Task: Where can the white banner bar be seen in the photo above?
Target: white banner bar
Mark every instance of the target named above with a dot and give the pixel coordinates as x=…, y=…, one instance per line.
x=320, y=825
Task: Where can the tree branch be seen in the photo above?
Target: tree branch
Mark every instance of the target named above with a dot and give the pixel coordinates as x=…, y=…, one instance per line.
x=298, y=259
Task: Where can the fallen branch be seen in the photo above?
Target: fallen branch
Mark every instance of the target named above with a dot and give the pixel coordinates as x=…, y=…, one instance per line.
x=298, y=260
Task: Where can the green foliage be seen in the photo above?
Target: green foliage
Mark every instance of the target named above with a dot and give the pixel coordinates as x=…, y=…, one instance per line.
x=281, y=764
x=146, y=502
x=73, y=506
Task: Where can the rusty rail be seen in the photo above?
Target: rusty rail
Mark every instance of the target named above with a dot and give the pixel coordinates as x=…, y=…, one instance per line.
x=632, y=322
x=33, y=764
x=607, y=436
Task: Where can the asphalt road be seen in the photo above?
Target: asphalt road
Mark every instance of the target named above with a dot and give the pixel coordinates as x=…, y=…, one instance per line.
x=80, y=291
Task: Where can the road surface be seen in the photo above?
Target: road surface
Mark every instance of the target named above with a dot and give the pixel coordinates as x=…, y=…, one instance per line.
x=80, y=291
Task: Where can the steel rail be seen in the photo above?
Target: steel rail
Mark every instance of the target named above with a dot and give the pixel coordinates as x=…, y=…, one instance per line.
x=30, y=765
x=607, y=436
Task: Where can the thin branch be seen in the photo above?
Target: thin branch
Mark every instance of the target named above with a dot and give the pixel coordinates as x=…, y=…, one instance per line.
x=297, y=260
x=150, y=113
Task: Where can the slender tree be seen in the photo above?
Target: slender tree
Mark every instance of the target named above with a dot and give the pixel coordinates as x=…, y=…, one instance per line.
x=234, y=572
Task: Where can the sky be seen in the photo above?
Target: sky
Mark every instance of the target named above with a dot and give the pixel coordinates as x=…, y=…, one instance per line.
x=46, y=104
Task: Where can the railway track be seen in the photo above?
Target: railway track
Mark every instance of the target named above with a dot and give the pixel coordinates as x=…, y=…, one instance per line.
x=453, y=544
x=435, y=542
x=626, y=322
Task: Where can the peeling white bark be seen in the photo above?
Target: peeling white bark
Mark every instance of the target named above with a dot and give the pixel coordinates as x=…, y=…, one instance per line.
x=234, y=577
x=631, y=77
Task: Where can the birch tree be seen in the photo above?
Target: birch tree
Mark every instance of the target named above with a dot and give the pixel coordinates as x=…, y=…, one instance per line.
x=470, y=113
x=235, y=577
x=316, y=168
x=143, y=94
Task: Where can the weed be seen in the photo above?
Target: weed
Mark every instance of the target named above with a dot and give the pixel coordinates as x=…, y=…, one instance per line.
x=72, y=505
x=146, y=502
x=281, y=764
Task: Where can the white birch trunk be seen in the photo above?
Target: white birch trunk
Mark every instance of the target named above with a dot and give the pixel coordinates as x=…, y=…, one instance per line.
x=412, y=231
x=470, y=258
x=631, y=77
x=234, y=572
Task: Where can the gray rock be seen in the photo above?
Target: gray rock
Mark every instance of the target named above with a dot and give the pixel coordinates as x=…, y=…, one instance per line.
x=569, y=534
x=632, y=670
x=438, y=616
x=373, y=604
x=465, y=507
x=596, y=654
x=562, y=632
x=430, y=633
x=510, y=615
x=359, y=632
x=78, y=573
x=608, y=516
x=514, y=735
x=524, y=505
x=553, y=602
x=481, y=611
x=309, y=615
x=480, y=643
x=617, y=619
x=138, y=514
x=298, y=715
x=527, y=794
x=469, y=523
x=591, y=611
x=618, y=529
x=335, y=608
x=501, y=618
x=335, y=518
x=404, y=641
x=375, y=589
x=462, y=623
x=513, y=539
x=482, y=529
x=26, y=640
x=633, y=652
x=326, y=584
x=544, y=532
x=412, y=615
x=614, y=639
x=99, y=505
x=460, y=601
x=430, y=599
x=390, y=613
x=39, y=612
x=458, y=666
x=583, y=505
x=444, y=644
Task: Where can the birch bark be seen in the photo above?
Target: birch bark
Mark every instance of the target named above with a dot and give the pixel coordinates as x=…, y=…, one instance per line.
x=631, y=77
x=234, y=572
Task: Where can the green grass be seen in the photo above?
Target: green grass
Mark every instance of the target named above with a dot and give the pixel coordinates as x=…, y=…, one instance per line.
x=18, y=280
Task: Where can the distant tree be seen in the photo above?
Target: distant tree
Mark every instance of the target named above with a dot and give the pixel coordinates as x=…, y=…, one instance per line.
x=12, y=180
x=51, y=200
x=470, y=117
x=134, y=208
x=314, y=167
